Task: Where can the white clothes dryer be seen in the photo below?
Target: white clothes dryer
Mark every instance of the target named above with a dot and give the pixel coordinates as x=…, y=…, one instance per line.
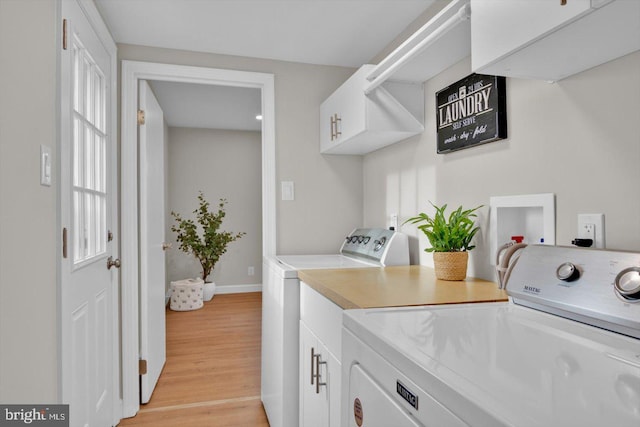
x=363, y=248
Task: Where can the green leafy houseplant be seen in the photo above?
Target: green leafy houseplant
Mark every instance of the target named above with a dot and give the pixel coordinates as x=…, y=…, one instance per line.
x=204, y=240
x=450, y=239
x=453, y=234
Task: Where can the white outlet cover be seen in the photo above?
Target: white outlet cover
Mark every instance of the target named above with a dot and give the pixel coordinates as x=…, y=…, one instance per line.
x=598, y=222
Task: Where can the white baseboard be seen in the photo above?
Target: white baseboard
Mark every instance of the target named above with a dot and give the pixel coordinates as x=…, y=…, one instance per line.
x=238, y=289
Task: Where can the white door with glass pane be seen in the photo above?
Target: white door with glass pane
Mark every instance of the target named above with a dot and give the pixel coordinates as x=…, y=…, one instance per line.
x=88, y=286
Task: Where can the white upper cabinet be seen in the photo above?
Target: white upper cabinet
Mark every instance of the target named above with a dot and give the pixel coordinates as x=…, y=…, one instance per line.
x=384, y=103
x=352, y=122
x=551, y=39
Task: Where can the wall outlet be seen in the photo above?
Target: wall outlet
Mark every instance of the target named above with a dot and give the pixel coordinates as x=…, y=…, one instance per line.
x=393, y=221
x=251, y=271
x=591, y=226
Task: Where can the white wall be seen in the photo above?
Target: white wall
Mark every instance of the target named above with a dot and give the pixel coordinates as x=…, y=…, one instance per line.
x=28, y=118
x=576, y=138
x=328, y=189
x=223, y=164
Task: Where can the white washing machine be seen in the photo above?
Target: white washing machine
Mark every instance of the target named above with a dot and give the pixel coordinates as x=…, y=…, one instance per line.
x=363, y=248
x=564, y=351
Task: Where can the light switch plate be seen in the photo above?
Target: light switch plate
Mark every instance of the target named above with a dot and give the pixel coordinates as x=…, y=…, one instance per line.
x=287, y=189
x=45, y=165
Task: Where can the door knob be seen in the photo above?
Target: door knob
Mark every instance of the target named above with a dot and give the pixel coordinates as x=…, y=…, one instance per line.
x=166, y=246
x=112, y=263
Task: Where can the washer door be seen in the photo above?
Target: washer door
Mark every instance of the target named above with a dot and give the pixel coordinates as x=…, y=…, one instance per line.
x=371, y=406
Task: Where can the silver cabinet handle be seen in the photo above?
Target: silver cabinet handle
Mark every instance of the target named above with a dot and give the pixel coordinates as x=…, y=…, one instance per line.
x=318, y=383
x=337, y=120
x=313, y=356
x=335, y=133
x=333, y=127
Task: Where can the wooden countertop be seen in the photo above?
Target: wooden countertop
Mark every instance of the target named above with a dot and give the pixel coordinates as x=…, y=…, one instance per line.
x=397, y=286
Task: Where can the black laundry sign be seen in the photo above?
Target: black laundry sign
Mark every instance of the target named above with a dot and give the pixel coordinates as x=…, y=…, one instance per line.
x=472, y=111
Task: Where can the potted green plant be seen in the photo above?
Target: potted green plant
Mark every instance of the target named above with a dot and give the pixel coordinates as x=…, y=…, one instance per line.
x=204, y=240
x=450, y=238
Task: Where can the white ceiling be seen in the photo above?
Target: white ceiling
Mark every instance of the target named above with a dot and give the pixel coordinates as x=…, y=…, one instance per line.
x=329, y=32
x=205, y=106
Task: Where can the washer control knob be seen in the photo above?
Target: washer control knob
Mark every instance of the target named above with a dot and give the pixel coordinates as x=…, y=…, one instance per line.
x=567, y=272
x=378, y=244
x=627, y=283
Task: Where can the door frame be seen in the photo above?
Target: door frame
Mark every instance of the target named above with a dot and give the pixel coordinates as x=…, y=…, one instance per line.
x=132, y=73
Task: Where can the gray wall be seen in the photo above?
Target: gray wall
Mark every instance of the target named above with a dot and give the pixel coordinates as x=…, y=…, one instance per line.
x=328, y=189
x=223, y=164
x=576, y=138
x=28, y=118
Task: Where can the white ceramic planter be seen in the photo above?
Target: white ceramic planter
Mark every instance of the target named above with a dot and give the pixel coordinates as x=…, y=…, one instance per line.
x=209, y=291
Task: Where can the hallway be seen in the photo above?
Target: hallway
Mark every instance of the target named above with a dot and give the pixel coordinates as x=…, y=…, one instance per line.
x=212, y=373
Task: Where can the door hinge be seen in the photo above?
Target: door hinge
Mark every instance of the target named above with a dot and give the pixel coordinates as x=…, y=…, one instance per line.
x=64, y=34
x=142, y=367
x=140, y=117
x=64, y=242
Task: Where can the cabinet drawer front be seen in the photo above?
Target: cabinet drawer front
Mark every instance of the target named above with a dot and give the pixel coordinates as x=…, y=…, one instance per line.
x=322, y=317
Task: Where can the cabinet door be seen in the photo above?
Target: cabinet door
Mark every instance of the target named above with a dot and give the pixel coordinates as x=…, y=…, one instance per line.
x=314, y=403
x=499, y=27
x=343, y=114
x=334, y=388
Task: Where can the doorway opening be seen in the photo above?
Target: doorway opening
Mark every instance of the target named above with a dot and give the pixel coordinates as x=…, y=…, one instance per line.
x=212, y=140
x=133, y=73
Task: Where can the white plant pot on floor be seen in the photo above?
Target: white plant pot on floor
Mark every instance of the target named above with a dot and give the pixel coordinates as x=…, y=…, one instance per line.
x=209, y=291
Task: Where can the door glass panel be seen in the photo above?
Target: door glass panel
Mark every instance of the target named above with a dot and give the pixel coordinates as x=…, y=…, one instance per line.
x=89, y=157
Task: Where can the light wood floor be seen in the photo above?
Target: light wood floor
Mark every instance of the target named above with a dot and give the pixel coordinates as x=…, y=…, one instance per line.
x=212, y=373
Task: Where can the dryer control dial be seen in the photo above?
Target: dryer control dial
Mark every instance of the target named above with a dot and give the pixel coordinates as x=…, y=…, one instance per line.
x=568, y=272
x=627, y=283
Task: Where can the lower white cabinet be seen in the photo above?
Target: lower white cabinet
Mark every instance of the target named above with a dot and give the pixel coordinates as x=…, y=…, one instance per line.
x=320, y=368
x=320, y=373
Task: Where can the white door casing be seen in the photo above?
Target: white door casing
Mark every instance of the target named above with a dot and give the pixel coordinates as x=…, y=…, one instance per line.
x=152, y=237
x=88, y=292
x=132, y=73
